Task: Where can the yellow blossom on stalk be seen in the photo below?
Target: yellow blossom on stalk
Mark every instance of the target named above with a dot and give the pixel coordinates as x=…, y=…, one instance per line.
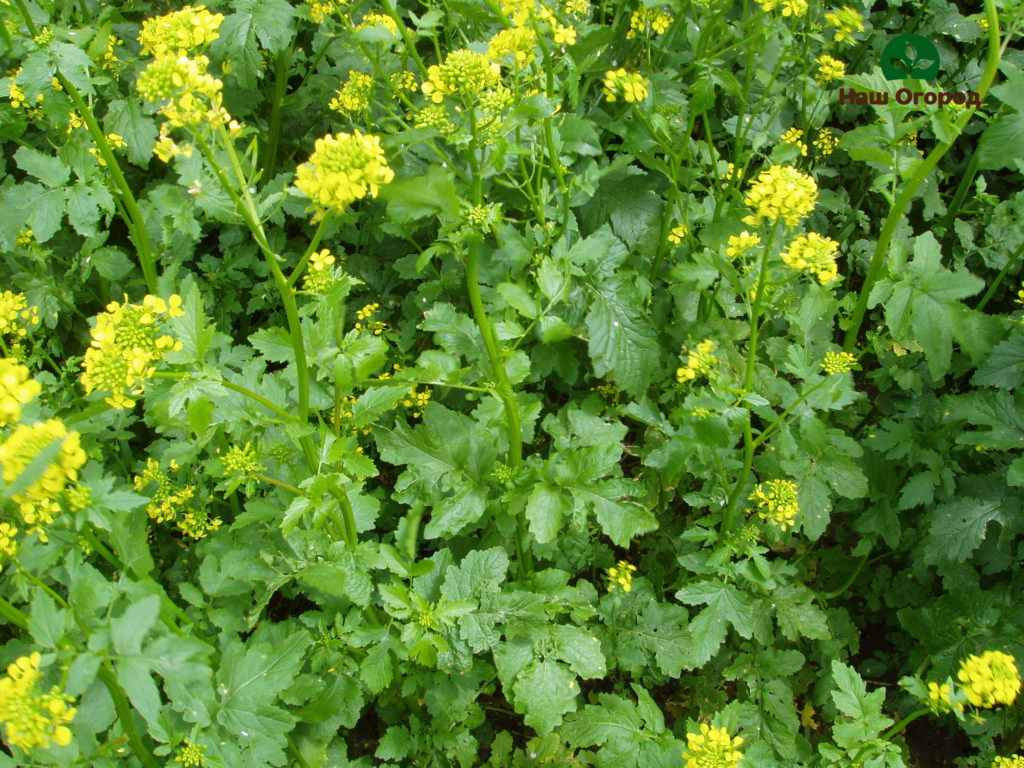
x=377, y=328
x=25, y=236
x=403, y=81
x=17, y=388
x=620, y=576
x=342, y=169
x=188, y=95
x=631, y=86
x=180, y=32
x=649, y=21
x=739, y=244
x=699, y=363
x=417, y=401
x=712, y=748
x=578, y=8
x=38, y=503
x=434, y=116
x=8, y=542
x=777, y=502
x=354, y=95
x=378, y=20
x=813, y=253
x=794, y=136
x=115, y=140
x=940, y=698
x=464, y=74
x=563, y=35
x=15, y=314
x=1013, y=761
x=191, y=755
x=826, y=142
x=679, y=231
x=518, y=11
x=517, y=44
x=847, y=21
x=829, y=69
x=128, y=342
x=172, y=503
x=838, y=362
x=789, y=7
x=30, y=717
x=321, y=9
x=989, y=679
x=781, y=192
x=241, y=461
x=320, y=274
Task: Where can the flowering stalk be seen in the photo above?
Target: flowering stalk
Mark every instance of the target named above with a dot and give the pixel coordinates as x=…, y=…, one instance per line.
x=131, y=213
x=749, y=444
x=899, y=207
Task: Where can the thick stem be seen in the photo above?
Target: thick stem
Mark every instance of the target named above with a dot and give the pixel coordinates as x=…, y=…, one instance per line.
x=281, y=66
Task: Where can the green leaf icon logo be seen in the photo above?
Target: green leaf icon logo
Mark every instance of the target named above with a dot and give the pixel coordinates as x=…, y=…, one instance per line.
x=910, y=56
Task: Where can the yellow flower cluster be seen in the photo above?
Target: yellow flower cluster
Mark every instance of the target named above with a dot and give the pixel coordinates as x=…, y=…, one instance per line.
x=15, y=315
x=179, y=32
x=940, y=698
x=516, y=46
x=39, y=502
x=813, y=253
x=789, y=7
x=826, y=142
x=712, y=748
x=649, y=21
x=794, y=136
x=699, y=363
x=678, y=233
x=32, y=718
x=8, y=542
x=378, y=20
x=17, y=388
x=777, y=502
x=631, y=86
x=464, y=74
x=417, y=401
x=364, y=315
x=1013, y=761
x=403, y=81
x=353, y=97
x=989, y=679
x=781, y=192
x=620, y=576
x=188, y=95
x=241, y=461
x=739, y=244
x=847, y=21
x=342, y=169
x=320, y=275
x=191, y=755
x=434, y=116
x=171, y=503
x=128, y=342
x=838, y=362
x=829, y=69
x=321, y=9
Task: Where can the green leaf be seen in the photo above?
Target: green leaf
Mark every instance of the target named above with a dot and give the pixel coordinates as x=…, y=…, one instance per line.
x=129, y=630
x=620, y=518
x=416, y=198
x=798, y=616
x=83, y=210
x=958, y=527
x=545, y=510
x=47, y=623
x=274, y=344
x=376, y=670
x=125, y=118
x=580, y=650
x=1002, y=143
x=50, y=170
x=853, y=700
x=374, y=402
x=519, y=299
x=544, y=692
x=623, y=344
x=724, y=601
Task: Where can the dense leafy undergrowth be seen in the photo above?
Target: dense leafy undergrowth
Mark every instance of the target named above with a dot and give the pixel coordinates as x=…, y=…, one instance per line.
x=511, y=383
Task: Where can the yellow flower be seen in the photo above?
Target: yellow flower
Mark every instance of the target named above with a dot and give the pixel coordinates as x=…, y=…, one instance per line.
x=794, y=136
x=516, y=44
x=621, y=576
x=464, y=74
x=403, y=81
x=649, y=21
x=781, y=192
x=191, y=755
x=777, y=503
x=1013, y=761
x=940, y=698
x=846, y=20
x=38, y=503
x=789, y=7
x=188, y=95
x=180, y=32
x=16, y=389
x=712, y=748
x=30, y=717
x=989, y=679
x=321, y=9
x=678, y=233
x=699, y=363
x=563, y=35
x=342, y=169
x=15, y=315
x=378, y=20
x=739, y=244
x=631, y=86
x=241, y=461
x=8, y=542
x=354, y=95
x=813, y=253
x=838, y=362
x=826, y=142
x=829, y=69
x=320, y=274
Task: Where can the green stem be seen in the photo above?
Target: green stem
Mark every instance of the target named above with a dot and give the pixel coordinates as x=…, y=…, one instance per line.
x=412, y=530
x=994, y=286
x=899, y=207
x=234, y=388
x=782, y=416
x=124, y=714
x=317, y=237
x=848, y=582
x=281, y=66
x=278, y=483
x=898, y=728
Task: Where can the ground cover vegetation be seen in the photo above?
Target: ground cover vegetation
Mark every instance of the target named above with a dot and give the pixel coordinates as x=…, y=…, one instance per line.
x=511, y=383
